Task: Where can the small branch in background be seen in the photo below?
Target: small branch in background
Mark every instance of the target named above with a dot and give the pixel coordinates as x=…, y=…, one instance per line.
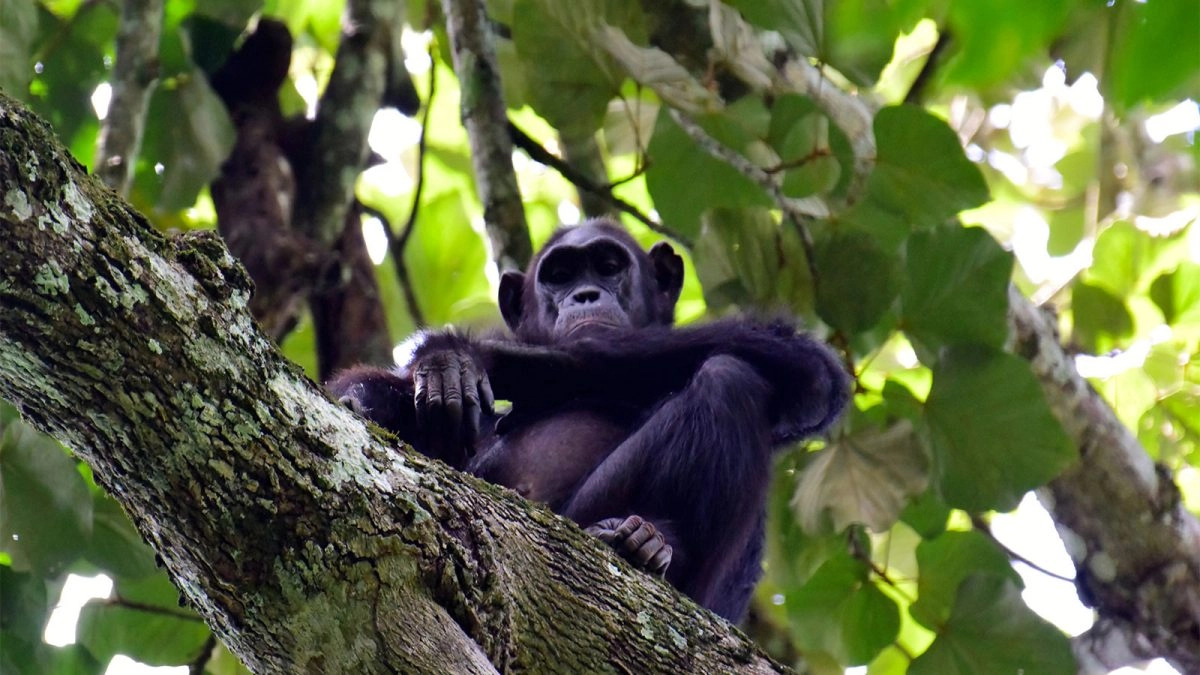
x=483, y=115
x=985, y=529
x=541, y=155
x=422, y=145
x=916, y=92
x=583, y=153
x=336, y=154
x=196, y=667
x=118, y=601
x=396, y=248
x=134, y=76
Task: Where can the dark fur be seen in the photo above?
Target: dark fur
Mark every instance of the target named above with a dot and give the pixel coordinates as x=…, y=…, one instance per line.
x=673, y=425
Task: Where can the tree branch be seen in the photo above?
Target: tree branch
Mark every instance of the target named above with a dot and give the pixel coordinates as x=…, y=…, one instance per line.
x=483, y=114
x=305, y=541
x=1135, y=546
x=134, y=76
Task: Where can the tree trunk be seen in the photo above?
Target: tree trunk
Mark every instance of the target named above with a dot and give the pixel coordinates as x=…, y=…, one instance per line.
x=306, y=541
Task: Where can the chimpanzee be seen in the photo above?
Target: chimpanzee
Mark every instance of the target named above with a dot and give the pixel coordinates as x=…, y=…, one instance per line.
x=655, y=439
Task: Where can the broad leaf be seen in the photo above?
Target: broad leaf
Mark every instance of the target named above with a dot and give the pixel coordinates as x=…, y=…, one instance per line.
x=743, y=257
x=1127, y=259
x=841, y=613
x=866, y=477
x=992, y=430
x=115, y=545
x=944, y=562
x=1153, y=55
x=45, y=506
x=921, y=171
x=1177, y=294
x=957, y=288
x=569, y=70
x=158, y=633
x=656, y=69
x=18, y=28
x=857, y=281
x=991, y=630
x=1102, y=321
x=995, y=38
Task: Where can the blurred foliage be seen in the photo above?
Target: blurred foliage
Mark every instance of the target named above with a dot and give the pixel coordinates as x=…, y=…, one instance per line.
x=1039, y=117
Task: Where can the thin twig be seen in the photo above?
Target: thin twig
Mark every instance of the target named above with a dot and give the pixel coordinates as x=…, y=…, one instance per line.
x=916, y=92
x=118, y=601
x=402, y=276
x=986, y=529
x=196, y=667
x=541, y=155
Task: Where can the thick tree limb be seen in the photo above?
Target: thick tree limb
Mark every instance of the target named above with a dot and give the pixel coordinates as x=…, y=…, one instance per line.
x=301, y=538
x=134, y=76
x=484, y=116
x=1136, y=548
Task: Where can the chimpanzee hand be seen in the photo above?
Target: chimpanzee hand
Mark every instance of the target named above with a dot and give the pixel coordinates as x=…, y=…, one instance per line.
x=636, y=540
x=450, y=389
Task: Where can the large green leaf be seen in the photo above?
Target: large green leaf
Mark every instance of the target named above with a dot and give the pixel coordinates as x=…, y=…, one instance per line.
x=1128, y=260
x=866, y=477
x=18, y=28
x=115, y=545
x=841, y=613
x=158, y=632
x=1153, y=55
x=855, y=36
x=1102, y=321
x=991, y=630
x=802, y=137
x=188, y=135
x=1177, y=294
x=743, y=257
x=857, y=281
x=992, y=430
x=571, y=74
x=921, y=171
x=45, y=506
x=684, y=180
x=446, y=248
x=993, y=39
x=944, y=562
x=957, y=288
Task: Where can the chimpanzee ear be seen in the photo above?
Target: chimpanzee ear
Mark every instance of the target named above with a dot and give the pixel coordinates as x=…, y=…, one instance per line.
x=512, y=298
x=668, y=273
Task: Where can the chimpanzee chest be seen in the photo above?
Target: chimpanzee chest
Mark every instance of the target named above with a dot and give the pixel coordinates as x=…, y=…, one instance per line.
x=545, y=459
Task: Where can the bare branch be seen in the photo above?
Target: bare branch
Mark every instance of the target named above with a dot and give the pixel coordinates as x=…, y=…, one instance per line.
x=484, y=116
x=134, y=76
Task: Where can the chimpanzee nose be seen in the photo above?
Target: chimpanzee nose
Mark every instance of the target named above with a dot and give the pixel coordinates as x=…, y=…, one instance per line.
x=586, y=296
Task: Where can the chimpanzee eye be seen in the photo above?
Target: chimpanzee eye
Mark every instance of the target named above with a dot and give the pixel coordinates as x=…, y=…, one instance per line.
x=558, y=274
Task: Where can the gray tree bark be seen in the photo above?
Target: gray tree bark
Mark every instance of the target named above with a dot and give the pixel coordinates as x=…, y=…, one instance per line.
x=304, y=539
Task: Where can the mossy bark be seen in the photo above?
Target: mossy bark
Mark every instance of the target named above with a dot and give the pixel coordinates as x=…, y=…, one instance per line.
x=305, y=540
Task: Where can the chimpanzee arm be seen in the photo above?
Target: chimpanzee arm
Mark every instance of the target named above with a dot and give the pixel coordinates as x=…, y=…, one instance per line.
x=640, y=367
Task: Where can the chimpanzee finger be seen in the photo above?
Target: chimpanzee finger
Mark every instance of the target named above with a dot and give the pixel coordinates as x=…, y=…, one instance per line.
x=660, y=561
x=470, y=414
x=639, y=538
x=604, y=530
x=487, y=399
x=627, y=528
x=452, y=405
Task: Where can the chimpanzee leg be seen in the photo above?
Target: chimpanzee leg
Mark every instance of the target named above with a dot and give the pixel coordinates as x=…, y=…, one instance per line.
x=700, y=463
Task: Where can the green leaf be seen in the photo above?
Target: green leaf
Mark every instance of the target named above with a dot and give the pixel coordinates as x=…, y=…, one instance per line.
x=18, y=28
x=921, y=171
x=944, y=562
x=857, y=280
x=992, y=430
x=1127, y=260
x=1153, y=55
x=116, y=546
x=24, y=604
x=743, y=257
x=566, y=61
x=993, y=39
x=866, y=477
x=802, y=138
x=991, y=630
x=1177, y=294
x=957, y=288
x=1102, y=320
x=188, y=133
x=841, y=613
x=793, y=556
x=684, y=180
x=45, y=506
x=158, y=633
x=445, y=247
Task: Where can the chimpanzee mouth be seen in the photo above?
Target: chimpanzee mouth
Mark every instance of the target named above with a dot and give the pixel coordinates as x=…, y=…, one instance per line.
x=588, y=323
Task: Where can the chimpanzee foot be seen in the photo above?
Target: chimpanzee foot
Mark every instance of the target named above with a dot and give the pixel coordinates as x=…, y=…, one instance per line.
x=637, y=541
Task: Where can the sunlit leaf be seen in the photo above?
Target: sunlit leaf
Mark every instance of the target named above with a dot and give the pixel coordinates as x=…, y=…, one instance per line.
x=1102, y=320
x=153, y=629
x=1127, y=259
x=992, y=430
x=1153, y=54
x=991, y=630
x=1177, y=294
x=866, y=477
